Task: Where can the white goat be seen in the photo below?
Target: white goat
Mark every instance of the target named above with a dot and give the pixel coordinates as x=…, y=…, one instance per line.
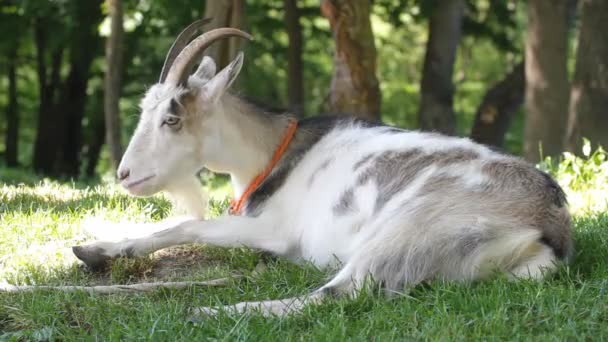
x=400, y=207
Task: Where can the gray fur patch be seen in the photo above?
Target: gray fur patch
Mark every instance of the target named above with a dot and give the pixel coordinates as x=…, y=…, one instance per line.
x=439, y=183
x=392, y=171
x=363, y=161
x=468, y=243
x=174, y=107
x=324, y=165
x=345, y=204
x=454, y=156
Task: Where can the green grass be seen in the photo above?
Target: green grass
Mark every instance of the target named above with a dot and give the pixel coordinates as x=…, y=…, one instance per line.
x=40, y=220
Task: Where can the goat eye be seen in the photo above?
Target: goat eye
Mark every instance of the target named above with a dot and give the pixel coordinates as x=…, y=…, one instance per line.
x=171, y=121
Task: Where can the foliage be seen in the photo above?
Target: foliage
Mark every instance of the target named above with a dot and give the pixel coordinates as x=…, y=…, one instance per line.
x=488, y=50
x=584, y=178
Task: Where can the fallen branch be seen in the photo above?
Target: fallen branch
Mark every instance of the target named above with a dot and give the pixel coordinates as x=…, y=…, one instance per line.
x=108, y=289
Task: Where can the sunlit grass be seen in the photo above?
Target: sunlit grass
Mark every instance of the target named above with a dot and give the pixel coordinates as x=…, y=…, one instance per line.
x=41, y=219
x=40, y=223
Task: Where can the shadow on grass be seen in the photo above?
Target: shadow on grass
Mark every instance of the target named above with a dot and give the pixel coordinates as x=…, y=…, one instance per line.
x=179, y=263
x=87, y=199
x=18, y=177
x=25, y=177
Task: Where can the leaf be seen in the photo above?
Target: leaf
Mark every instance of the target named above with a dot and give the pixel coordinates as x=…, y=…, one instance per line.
x=586, y=147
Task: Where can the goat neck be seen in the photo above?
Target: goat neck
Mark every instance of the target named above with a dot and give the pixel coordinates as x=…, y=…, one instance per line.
x=247, y=138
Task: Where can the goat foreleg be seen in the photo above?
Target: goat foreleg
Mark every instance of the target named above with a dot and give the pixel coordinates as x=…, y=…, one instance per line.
x=228, y=231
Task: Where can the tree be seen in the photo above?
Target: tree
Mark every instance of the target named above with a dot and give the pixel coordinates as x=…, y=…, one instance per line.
x=225, y=13
x=354, y=86
x=588, y=112
x=436, y=89
x=113, y=80
x=546, y=78
x=62, y=102
x=14, y=49
x=96, y=133
x=498, y=107
x=12, y=110
x=47, y=133
x=84, y=47
x=295, y=83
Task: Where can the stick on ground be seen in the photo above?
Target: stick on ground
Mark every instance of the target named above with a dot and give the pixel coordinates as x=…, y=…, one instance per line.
x=108, y=289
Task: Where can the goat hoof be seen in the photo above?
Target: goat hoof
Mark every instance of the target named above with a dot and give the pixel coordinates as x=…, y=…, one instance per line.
x=93, y=257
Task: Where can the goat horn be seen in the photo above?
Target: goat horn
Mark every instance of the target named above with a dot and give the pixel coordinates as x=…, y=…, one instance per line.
x=178, y=45
x=183, y=63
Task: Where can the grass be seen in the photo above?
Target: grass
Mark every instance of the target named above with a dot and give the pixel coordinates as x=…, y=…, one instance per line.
x=41, y=219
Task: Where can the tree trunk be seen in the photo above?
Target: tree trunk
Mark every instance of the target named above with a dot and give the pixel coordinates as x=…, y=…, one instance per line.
x=588, y=115
x=546, y=78
x=43, y=156
x=225, y=13
x=354, y=86
x=113, y=81
x=47, y=141
x=295, y=66
x=498, y=107
x=95, y=143
x=85, y=45
x=12, y=112
x=436, y=89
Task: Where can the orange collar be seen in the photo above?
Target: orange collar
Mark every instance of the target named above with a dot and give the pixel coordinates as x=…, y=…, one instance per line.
x=237, y=205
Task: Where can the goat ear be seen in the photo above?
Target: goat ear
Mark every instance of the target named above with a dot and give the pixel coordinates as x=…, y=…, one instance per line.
x=217, y=86
x=206, y=70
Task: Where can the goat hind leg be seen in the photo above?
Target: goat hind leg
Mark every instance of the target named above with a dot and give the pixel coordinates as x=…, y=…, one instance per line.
x=344, y=283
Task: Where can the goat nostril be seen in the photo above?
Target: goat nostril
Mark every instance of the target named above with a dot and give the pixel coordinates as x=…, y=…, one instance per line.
x=123, y=174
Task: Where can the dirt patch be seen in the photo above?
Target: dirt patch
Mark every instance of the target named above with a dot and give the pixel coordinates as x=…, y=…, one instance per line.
x=170, y=264
x=182, y=261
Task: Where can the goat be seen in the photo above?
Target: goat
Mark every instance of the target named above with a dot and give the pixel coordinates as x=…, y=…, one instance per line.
x=380, y=203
